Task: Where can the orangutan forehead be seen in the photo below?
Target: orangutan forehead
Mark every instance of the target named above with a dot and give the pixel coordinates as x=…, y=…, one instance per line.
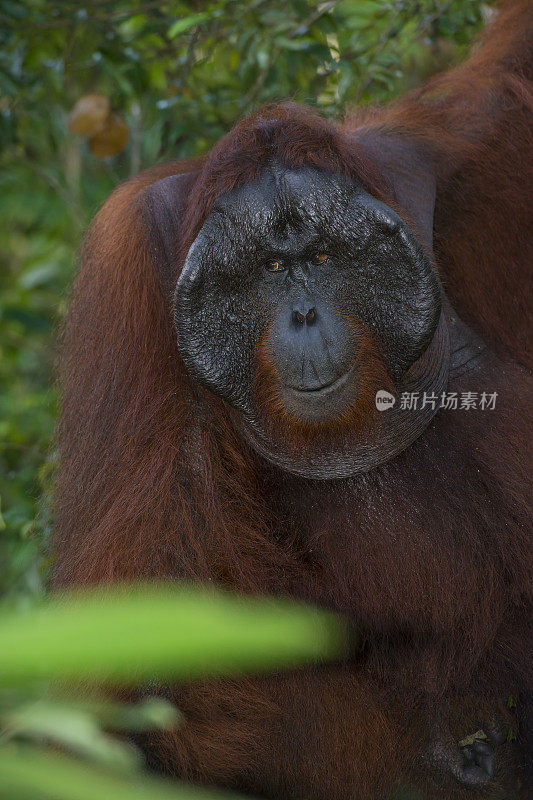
x=287, y=197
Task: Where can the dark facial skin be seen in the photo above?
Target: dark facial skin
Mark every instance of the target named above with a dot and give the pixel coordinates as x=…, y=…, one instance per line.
x=301, y=265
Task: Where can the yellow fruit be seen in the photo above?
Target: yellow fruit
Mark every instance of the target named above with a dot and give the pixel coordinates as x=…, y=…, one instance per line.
x=89, y=115
x=111, y=139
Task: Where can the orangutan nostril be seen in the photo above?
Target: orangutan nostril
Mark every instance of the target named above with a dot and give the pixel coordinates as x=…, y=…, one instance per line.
x=307, y=318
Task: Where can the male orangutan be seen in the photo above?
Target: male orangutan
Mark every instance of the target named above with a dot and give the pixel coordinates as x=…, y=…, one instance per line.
x=231, y=325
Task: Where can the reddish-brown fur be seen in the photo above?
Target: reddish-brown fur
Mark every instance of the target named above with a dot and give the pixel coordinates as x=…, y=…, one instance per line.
x=429, y=554
x=475, y=124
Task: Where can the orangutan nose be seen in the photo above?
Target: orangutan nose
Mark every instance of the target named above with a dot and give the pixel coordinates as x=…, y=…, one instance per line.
x=302, y=317
x=309, y=344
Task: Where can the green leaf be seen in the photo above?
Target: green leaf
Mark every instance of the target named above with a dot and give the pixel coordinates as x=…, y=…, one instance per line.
x=183, y=24
x=151, y=713
x=2, y=521
x=133, y=633
x=30, y=320
x=294, y=44
x=29, y=774
x=71, y=728
x=38, y=275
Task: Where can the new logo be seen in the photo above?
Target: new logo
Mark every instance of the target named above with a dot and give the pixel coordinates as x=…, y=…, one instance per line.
x=384, y=400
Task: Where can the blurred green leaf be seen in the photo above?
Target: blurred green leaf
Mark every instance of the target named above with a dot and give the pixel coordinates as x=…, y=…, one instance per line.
x=28, y=774
x=70, y=727
x=39, y=274
x=183, y=24
x=133, y=633
x=151, y=713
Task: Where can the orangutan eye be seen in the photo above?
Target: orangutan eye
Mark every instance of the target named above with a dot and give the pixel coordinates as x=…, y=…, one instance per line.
x=318, y=258
x=275, y=266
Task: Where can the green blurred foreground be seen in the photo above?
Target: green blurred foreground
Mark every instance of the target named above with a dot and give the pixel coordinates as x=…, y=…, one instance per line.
x=128, y=635
x=27, y=774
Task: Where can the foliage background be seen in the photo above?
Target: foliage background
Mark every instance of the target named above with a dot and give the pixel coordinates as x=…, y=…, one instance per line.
x=180, y=74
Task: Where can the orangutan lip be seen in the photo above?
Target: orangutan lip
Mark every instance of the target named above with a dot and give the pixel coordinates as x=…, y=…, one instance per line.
x=323, y=390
